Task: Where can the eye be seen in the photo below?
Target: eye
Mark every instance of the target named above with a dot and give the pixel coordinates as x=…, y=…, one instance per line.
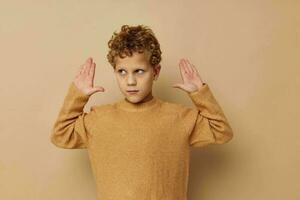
x=120, y=70
x=142, y=71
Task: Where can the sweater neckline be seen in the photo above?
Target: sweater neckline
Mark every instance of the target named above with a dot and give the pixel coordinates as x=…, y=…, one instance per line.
x=124, y=104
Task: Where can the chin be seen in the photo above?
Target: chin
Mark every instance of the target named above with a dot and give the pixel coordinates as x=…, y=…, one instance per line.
x=134, y=99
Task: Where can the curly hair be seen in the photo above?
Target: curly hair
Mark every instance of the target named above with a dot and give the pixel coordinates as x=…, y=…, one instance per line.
x=134, y=39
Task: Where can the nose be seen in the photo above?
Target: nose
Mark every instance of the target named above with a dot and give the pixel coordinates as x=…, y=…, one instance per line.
x=131, y=80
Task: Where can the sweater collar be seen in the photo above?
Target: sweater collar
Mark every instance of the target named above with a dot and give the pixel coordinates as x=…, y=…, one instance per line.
x=140, y=106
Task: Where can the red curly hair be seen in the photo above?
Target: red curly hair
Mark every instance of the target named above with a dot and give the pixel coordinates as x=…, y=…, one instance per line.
x=134, y=39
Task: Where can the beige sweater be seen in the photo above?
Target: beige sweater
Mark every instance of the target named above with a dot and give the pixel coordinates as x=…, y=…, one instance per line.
x=140, y=151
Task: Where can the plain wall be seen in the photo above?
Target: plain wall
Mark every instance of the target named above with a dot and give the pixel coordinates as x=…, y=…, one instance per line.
x=247, y=51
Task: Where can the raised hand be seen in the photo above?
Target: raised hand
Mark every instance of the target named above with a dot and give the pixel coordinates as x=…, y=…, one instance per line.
x=84, y=80
x=190, y=76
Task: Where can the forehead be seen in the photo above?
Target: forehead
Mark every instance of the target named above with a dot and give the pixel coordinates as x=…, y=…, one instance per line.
x=132, y=61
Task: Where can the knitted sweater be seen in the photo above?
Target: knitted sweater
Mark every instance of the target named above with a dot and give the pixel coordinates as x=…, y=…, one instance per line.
x=140, y=151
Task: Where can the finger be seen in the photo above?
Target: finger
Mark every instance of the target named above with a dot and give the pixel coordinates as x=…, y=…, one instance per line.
x=89, y=60
x=89, y=71
x=179, y=86
x=184, y=67
x=88, y=64
x=176, y=85
x=197, y=72
x=92, y=71
x=81, y=69
x=188, y=68
x=191, y=66
x=195, y=69
x=97, y=89
x=182, y=70
x=84, y=71
x=87, y=67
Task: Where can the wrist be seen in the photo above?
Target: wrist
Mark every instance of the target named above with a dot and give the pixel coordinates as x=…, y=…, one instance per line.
x=200, y=85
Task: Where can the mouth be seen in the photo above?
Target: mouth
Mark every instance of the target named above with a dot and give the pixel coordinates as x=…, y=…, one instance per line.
x=132, y=91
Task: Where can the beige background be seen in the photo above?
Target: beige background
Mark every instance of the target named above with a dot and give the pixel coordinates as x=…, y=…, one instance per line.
x=248, y=52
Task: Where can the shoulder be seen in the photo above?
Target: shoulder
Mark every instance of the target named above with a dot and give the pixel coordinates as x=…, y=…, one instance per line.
x=180, y=113
x=178, y=109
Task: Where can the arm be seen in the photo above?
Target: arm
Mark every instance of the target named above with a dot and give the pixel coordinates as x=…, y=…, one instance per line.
x=210, y=125
x=72, y=126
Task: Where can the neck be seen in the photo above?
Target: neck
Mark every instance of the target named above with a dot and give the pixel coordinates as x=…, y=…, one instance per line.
x=145, y=104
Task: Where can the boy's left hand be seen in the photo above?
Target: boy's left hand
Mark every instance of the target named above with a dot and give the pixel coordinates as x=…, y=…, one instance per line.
x=190, y=76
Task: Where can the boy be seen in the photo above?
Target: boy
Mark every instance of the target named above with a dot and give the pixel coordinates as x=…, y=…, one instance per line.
x=139, y=146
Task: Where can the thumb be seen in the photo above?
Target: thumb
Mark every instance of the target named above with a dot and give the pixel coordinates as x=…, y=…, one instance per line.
x=97, y=89
x=180, y=86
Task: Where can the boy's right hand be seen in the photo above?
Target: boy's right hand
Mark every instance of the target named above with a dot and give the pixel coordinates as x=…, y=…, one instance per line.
x=84, y=80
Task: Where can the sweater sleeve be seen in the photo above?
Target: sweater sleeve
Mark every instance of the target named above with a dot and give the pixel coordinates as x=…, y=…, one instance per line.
x=72, y=126
x=210, y=125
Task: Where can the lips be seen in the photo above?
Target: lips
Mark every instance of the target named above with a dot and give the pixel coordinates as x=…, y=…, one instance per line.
x=132, y=91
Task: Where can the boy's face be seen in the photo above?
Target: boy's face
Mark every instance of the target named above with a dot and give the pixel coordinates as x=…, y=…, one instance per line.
x=136, y=73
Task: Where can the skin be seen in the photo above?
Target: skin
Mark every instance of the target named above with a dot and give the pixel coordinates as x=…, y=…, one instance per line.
x=136, y=73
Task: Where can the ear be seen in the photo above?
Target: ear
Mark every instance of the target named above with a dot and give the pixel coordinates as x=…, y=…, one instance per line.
x=156, y=71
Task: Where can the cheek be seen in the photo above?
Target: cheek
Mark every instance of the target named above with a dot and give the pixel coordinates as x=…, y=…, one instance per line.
x=146, y=81
x=148, y=77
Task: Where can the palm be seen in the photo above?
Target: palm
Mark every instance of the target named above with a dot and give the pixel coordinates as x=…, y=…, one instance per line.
x=84, y=80
x=190, y=77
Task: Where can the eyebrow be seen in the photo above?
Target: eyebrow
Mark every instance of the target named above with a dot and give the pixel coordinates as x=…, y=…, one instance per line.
x=140, y=67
